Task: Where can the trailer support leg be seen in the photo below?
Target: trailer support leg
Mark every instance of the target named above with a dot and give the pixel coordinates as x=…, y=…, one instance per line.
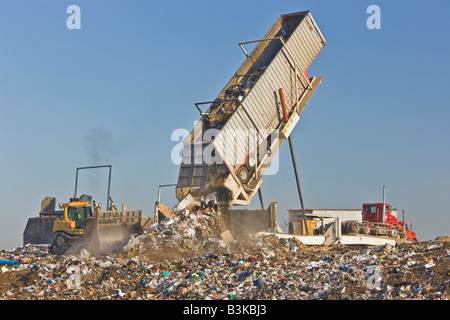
x=260, y=198
x=291, y=146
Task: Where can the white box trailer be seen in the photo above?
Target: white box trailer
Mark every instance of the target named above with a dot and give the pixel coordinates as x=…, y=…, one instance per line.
x=344, y=214
x=326, y=216
x=329, y=228
x=241, y=131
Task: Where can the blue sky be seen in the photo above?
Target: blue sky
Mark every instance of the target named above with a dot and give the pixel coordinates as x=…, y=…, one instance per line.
x=115, y=90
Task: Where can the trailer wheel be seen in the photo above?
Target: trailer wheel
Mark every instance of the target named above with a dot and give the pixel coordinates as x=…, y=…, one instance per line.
x=353, y=227
x=251, y=161
x=394, y=232
x=365, y=228
x=345, y=228
x=243, y=174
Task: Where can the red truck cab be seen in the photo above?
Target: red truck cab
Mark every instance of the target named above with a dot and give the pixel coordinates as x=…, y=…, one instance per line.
x=373, y=214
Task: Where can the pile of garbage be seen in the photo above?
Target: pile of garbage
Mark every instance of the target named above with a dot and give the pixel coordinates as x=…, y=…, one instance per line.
x=187, y=256
x=190, y=228
x=270, y=269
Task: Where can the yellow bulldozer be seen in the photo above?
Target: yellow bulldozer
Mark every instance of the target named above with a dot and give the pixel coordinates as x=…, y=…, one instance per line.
x=81, y=224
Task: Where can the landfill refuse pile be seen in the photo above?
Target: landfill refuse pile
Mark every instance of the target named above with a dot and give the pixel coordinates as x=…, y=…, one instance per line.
x=188, y=257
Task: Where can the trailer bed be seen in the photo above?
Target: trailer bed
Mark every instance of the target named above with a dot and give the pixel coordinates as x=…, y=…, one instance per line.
x=318, y=240
x=245, y=125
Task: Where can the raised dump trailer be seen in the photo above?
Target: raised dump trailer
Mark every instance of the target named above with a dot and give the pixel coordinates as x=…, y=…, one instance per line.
x=241, y=131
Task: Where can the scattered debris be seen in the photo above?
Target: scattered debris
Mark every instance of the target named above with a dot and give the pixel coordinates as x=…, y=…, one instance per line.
x=183, y=258
x=166, y=211
x=227, y=237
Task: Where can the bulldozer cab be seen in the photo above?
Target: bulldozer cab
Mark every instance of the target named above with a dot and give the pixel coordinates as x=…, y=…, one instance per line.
x=75, y=216
x=78, y=215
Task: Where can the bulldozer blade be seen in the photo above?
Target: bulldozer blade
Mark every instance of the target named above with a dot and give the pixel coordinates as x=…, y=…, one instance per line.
x=114, y=237
x=114, y=228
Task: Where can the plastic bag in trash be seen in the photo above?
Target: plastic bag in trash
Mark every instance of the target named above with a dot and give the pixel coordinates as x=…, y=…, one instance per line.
x=134, y=241
x=259, y=282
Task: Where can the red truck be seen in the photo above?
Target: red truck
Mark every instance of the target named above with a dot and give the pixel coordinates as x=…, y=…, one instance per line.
x=379, y=222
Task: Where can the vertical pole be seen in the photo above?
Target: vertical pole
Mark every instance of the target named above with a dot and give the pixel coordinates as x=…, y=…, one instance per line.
x=157, y=203
x=403, y=225
x=291, y=147
x=383, y=214
x=273, y=217
x=109, y=187
x=260, y=198
x=76, y=183
x=285, y=119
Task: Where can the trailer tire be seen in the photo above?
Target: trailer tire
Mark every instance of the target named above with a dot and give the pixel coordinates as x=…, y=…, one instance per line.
x=353, y=227
x=243, y=174
x=251, y=161
x=344, y=228
x=394, y=232
x=365, y=228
